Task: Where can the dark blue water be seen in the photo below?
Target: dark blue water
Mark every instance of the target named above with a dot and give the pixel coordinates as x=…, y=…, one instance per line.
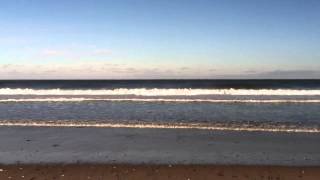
x=195, y=84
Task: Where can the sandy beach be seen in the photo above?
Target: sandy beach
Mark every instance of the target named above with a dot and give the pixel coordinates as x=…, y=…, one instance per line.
x=130, y=153
x=157, y=172
x=29, y=145
x=159, y=90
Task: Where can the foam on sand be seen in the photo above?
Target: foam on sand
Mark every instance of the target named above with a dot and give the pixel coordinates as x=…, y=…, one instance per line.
x=199, y=126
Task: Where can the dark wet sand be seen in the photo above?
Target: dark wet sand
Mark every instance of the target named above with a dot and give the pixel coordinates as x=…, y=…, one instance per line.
x=158, y=172
x=34, y=145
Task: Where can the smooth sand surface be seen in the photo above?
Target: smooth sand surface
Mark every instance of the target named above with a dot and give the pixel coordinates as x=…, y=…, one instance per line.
x=27, y=145
x=157, y=172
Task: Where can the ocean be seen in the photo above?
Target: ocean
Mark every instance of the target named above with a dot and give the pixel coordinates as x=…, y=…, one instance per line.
x=235, y=105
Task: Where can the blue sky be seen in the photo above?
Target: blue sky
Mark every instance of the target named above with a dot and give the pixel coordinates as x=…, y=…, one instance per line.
x=159, y=39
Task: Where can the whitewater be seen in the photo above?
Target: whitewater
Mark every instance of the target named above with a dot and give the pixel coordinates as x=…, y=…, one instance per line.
x=162, y=92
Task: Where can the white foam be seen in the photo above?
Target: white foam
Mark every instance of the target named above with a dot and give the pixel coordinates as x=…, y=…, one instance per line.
x=158, y=126
x=163, y=100
x=161, y=92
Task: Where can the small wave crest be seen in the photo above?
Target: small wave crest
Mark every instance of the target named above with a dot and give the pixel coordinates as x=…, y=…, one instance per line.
x=199, y=126
x=163, y=100
x=162, y=92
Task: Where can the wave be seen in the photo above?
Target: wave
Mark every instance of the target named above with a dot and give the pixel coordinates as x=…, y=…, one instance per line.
x=163, y=100
x=273, y=128
x=163, y=92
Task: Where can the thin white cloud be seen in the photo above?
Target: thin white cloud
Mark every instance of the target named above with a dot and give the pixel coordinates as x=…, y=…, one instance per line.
x=297, y=74
x=52, y=52
x=75, y=53
x=86, y=70
x=102, y=52
x=103, y=70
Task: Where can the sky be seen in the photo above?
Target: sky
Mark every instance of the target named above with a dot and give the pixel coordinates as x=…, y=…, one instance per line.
x=159, y=39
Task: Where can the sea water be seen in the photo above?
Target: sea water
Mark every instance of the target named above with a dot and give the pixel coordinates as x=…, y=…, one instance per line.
x=239, y=105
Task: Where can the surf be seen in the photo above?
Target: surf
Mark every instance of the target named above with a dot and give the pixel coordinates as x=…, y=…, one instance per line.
x=162, y=100
x=162, y=92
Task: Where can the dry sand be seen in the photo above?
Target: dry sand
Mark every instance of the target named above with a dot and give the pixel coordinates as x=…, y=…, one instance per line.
x=157, y=172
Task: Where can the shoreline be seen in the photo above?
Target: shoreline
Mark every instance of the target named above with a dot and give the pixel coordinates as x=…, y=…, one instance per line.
x=280, y=128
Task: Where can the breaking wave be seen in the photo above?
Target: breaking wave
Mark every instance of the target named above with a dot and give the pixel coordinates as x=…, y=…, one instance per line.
x=162, y=92
x=163, y=100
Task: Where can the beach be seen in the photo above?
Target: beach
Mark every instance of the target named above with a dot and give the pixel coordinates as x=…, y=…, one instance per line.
x=157, y=172
x=183, y=129
x=160, y=90
x=133, y=153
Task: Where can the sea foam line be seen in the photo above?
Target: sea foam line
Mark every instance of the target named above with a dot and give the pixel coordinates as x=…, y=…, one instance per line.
x=155, y=126
x=161, y=92
x=163, y=100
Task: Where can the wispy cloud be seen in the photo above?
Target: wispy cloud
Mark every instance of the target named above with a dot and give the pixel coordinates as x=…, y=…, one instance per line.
x=184, y=69
x=92, y=70
x=297, y=74
x=275, y=74
x=102, y=52
x=75, y=53
x=104, y=70
x=53, y=52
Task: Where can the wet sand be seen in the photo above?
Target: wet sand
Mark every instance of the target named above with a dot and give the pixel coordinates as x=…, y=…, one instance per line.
x=47, y=145
x=157, y=172
x=129, y=153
